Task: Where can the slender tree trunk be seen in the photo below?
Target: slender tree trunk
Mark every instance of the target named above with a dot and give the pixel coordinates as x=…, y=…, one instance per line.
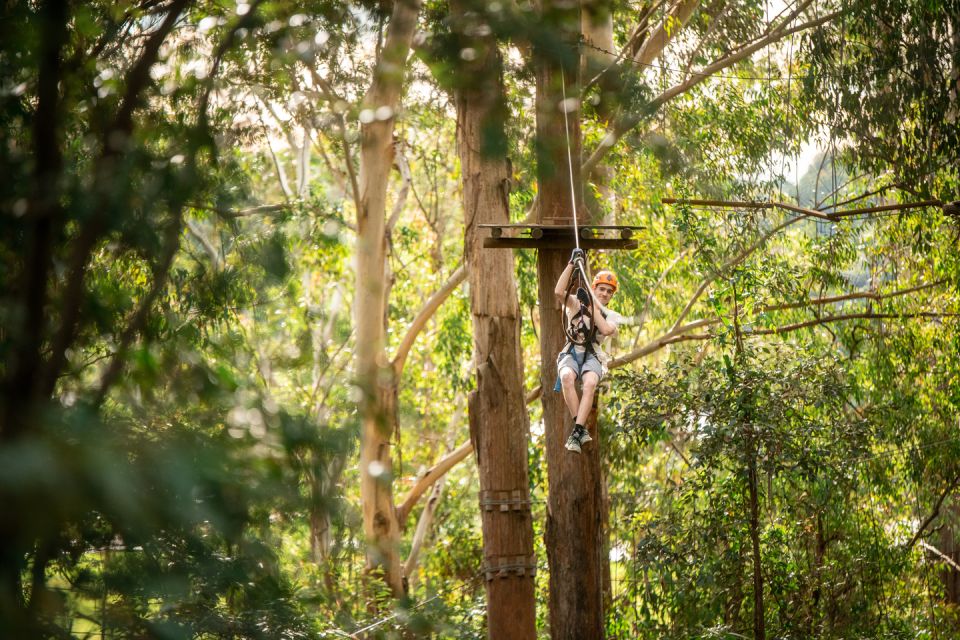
x=498, y=417
x=321, y=481
x=374, y=374
x=759, y=633
x=573, y=532
x=950, y=548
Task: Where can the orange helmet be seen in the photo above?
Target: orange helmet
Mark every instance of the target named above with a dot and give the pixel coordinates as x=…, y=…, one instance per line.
x=606, y=277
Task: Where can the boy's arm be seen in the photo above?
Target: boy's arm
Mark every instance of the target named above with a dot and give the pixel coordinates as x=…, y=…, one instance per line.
x=604, y=326
x=564, y=280
x=561, y=289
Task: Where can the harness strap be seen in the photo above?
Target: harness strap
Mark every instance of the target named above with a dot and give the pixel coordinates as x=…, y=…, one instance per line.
x=577, y=322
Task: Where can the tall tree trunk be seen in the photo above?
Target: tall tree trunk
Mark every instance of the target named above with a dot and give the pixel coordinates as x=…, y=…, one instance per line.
x=597, y=27
x=374, y=373
x=498, y=417
x=21, y=394
x=573, y=532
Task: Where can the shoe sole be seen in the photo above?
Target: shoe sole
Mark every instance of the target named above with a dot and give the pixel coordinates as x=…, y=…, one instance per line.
x=572, y=447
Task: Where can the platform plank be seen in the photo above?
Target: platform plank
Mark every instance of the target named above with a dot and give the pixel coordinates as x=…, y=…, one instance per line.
x=558, y=243
x=568, y=227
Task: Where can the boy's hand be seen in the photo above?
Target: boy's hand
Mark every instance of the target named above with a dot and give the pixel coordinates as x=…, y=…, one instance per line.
x=577, y=254
x=583, y=296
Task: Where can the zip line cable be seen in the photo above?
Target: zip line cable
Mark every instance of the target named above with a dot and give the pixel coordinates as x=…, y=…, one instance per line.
x=566, y=131
x=581, y=279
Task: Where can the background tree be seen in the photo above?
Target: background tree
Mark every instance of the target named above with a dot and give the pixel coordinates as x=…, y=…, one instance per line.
x=179, y=246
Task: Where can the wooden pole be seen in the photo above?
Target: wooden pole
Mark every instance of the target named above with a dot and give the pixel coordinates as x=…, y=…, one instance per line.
x=573, y=531
x=499, y=430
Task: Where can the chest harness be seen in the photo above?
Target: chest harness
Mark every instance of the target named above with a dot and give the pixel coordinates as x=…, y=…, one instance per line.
x=580, y=329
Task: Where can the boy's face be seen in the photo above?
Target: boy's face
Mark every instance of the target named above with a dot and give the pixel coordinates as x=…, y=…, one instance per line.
x=604, y=292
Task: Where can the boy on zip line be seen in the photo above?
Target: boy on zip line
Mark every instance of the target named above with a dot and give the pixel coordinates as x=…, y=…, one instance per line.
x=590, y=322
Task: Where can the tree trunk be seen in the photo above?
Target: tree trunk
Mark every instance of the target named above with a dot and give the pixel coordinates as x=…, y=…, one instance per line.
x=950, y=548
x=573, y=532
x=374, y=374
x=759, y=632
x=597, y=27
x=499, y=429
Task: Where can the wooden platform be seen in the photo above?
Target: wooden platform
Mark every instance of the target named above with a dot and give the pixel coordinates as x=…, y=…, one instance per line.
x=558, y=236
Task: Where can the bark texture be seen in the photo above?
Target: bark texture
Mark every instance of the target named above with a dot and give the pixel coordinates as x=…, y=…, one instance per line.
x=573, y=532
x=499, y=430
x=374, y=373
x=949, y=547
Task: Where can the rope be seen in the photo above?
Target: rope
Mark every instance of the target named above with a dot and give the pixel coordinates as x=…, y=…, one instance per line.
x=566, y=132
x=580, y=279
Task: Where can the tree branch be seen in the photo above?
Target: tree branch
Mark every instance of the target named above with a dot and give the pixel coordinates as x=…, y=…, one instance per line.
x=400, y=162
x=423, y=528
x=204, y=241
x=139, y=318
x=303, y=162
x=629, y=122
x=430, y=476
x=429, y=308
x=136, y=81
x=676, y=334
x=139, y=76
x=813, y=213
x=932, y=549
x=668, y=29
x=636, y=39
x=886, y=207
x=281, y=173
x=815, y=322
x=740, y=257
x=933, y=514
x=262, y=209
x=858, y=295
x=333, y=99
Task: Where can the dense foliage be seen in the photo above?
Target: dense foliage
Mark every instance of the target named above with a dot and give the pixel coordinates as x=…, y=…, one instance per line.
x=179, y=436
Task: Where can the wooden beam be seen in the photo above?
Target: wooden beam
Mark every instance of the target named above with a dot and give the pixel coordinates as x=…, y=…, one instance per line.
x=559, y=236
x=559, y=243
x=559, y=227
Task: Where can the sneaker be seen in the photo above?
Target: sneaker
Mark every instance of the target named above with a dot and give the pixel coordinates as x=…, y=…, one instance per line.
x=577, y=438
x=584, y=436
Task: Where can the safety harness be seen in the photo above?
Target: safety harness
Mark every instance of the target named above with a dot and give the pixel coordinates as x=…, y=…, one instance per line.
x=580, y=328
